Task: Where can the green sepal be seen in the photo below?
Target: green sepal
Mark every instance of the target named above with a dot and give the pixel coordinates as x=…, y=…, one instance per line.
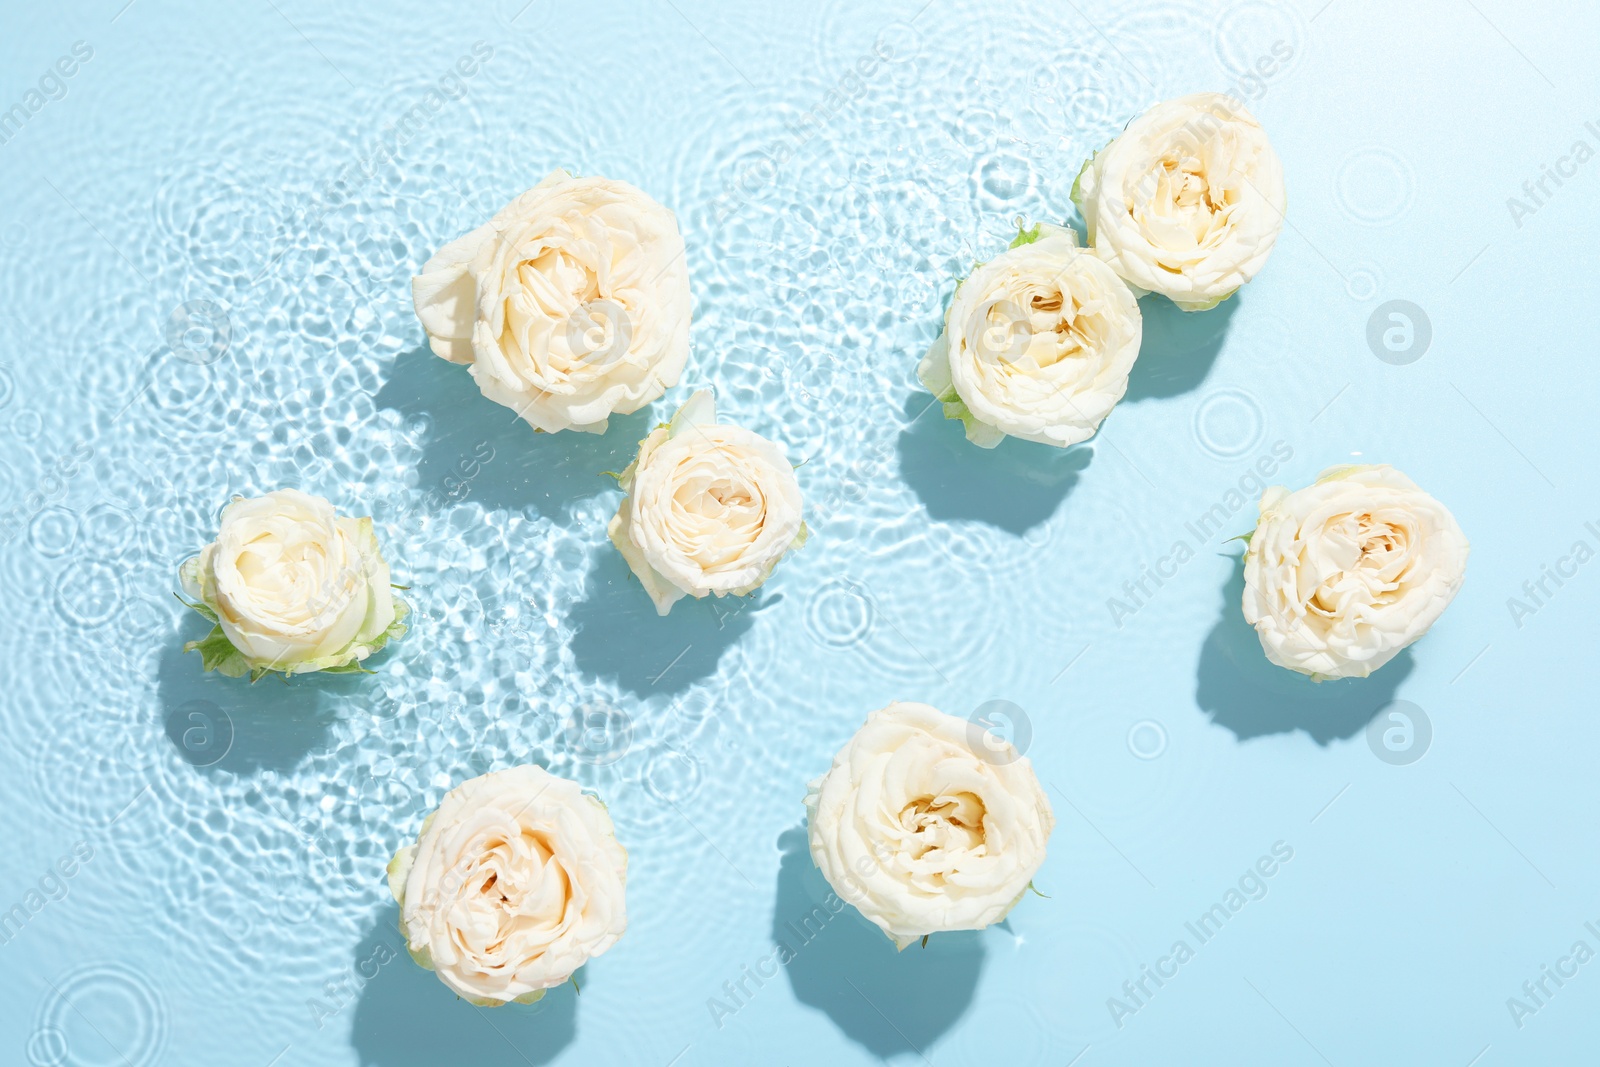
x=1024, y=236
x=218, y=654
x=1077, y=188
x=962, y=280
x=397, y=628
x=1335, y=473
x=1203, y=305
x=197, y=607
x=979, y=432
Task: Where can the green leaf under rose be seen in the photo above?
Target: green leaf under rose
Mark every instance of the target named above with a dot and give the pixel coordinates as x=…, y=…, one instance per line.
x=218, y=654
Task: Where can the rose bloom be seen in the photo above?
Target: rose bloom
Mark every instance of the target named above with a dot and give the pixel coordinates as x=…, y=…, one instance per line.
x=710, y=509
x=570, y=305
x=292, y=586
x=1037, y=343
x=1187, y=201
x=922, y=829
x=1343, y=574
x=515, y=882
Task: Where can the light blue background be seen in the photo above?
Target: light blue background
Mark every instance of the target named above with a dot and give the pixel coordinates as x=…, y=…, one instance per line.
x=228, y=911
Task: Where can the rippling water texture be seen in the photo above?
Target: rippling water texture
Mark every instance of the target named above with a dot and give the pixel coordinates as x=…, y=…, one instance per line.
x=206, y=237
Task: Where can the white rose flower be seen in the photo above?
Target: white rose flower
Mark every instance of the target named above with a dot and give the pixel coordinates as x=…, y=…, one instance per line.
x=710, y=509
x=1343, y=574
x=570, y=305
x=923, y=832
x=515, y=882
x=1187, y=201
x=1037, y=343
x=291, y=587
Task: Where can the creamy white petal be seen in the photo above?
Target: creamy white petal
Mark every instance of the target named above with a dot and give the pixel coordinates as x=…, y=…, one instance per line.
x=571, y=304
x=710, y=509
x=294, y=586
x=921, y=832
x=515, y=881
x=1188, y=201
x=446, y=296
x=1342, y=575
x=1037, y=344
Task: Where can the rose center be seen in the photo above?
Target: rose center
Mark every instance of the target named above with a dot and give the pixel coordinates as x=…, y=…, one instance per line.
x=291, y=575
x=557, y=268
x=1364, y=558
x=943, y=823
x=717, y=517
x=1178, y=205
x=1047, y=327
x=513, y=893
x=731, y=496
x=561, y=316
